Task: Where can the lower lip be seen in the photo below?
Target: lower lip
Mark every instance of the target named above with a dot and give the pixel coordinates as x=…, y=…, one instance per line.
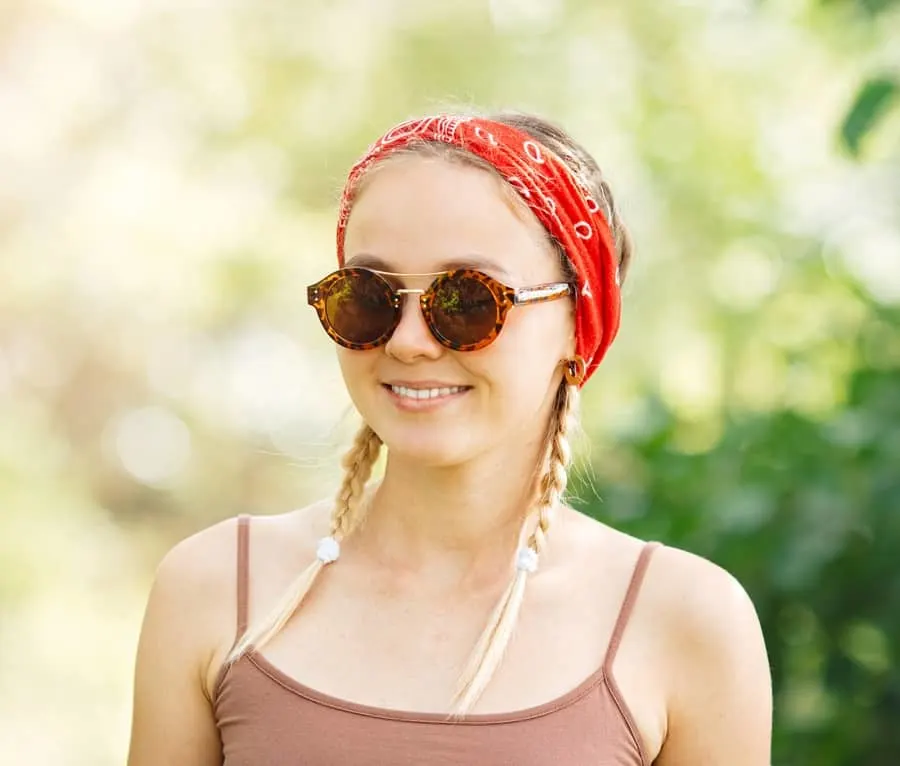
x=423, y=405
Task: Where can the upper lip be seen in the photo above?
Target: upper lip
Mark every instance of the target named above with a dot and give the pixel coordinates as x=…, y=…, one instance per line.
x=424, y=384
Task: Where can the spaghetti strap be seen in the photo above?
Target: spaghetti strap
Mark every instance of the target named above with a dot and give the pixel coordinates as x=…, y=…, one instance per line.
x=243, y=574
x=634, y=588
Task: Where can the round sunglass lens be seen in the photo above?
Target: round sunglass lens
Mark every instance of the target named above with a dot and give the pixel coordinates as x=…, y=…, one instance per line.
x=463, y=310
x=358, y=307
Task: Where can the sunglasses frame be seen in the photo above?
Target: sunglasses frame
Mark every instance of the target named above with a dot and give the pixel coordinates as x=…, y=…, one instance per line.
x=505, y=297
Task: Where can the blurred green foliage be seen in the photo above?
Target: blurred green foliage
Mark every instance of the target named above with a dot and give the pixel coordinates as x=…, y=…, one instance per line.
x=806, y=513
x=168, y=188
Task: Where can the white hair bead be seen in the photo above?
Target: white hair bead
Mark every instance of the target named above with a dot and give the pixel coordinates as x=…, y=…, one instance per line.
x=526, y=560
x=328, y=550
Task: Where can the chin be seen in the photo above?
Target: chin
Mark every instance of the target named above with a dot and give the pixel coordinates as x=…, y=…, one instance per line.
x=430, y=446
x=432, y=434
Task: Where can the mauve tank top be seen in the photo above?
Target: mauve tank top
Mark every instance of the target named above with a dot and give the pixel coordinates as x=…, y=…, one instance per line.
x=266, y=718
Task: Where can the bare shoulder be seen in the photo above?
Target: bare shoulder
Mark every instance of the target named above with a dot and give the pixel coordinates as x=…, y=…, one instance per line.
x=692, y=664
x=693, y=597
x=199, y=562
x=190, y=623
x=699, y=600
x=195, y=587
x=192, y=601
x=197, y=575
x=205, y=563
x=172, y=718
x=596, y=551
x=713, y=662
x=283, y=533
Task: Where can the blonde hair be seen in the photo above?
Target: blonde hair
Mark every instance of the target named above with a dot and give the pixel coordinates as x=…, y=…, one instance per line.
x=494, y=639
x=347, y=515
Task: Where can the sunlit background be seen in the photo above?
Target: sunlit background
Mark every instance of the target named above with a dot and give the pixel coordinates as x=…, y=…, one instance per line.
x=168, y=179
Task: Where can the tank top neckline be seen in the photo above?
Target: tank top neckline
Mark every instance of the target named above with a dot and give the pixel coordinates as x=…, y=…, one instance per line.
x=291, y=684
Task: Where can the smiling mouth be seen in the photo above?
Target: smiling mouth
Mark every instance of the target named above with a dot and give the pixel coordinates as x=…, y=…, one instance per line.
x=419, y=394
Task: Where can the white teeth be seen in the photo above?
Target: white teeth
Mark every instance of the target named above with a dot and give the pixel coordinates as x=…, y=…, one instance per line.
x=425, y=393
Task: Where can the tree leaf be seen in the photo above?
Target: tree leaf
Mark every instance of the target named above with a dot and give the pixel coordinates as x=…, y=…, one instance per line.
x=871, y=103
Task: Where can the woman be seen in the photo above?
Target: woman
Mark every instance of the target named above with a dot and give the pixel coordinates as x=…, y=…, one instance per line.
x=456, y=612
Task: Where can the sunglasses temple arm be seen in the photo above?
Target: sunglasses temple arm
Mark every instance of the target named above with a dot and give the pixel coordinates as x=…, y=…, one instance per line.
x=540, y=293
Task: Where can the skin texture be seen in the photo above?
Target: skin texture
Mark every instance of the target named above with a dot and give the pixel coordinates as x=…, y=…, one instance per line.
x=391, y=623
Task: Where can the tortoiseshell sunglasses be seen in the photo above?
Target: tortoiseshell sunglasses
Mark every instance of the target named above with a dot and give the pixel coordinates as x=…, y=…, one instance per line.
x=465, y=309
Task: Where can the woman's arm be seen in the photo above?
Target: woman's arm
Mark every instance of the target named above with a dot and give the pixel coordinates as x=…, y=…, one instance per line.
x=189, y=607
x=720, y=699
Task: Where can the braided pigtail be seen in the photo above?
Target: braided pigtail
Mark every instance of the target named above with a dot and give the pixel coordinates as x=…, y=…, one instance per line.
x=347, y=516
x=492, y=644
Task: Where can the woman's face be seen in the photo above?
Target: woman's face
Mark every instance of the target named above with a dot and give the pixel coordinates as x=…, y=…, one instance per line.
x=418, y=215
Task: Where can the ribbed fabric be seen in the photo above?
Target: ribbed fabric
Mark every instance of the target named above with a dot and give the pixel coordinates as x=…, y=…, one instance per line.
x=266, y=718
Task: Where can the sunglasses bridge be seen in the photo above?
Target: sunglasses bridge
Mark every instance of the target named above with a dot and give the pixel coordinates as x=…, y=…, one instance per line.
x=398, y=291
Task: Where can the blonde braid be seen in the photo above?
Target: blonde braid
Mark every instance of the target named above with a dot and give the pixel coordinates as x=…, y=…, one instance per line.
x=357, y=463
x=556, y=477
x=492, y=644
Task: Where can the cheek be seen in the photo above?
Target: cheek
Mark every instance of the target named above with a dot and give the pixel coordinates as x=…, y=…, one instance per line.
x=355, y=364
x=528, y=351
x=542, y=333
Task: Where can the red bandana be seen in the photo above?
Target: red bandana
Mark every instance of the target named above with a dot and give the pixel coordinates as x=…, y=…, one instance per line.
x=561, y=202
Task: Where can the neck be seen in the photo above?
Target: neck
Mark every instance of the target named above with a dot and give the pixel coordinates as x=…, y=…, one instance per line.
x=461, y=519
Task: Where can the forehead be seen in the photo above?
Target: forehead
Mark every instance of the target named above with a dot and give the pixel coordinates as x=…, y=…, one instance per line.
x=422, y=214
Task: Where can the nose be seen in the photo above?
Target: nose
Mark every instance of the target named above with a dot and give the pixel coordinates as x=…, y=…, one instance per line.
x=412, y=339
